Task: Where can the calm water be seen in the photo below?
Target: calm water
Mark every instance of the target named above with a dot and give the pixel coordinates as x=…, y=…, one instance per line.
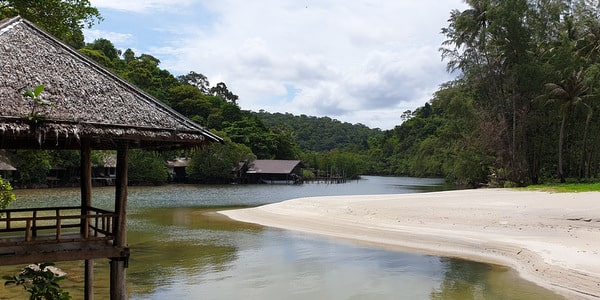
x=180, y=248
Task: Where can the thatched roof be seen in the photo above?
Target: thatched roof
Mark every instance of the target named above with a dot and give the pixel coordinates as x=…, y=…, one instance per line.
x=267, y=166
x=90, y=102
x=4, y=166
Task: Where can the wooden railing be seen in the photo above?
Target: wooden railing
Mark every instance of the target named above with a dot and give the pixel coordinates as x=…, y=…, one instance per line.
x=55, y=225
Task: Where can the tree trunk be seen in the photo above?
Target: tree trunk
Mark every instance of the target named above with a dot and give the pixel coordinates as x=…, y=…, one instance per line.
x=561, y=140
x=583, y=170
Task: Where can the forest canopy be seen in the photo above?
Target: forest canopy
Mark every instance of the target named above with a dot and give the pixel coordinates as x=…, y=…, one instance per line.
x=524, y=107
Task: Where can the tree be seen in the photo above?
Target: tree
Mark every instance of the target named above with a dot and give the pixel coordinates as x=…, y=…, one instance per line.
x=215, y=162
x=570, y=92
x=196, y=79
x=252, y=132
x=468, y=31
x=65, y=19
x=98, y=56
x=106, y=47
x=33, y=166
x=221, y=91
x=102, y=51
x=146, y=167
x=6, y=193
x=504, y=50
x=143, y=72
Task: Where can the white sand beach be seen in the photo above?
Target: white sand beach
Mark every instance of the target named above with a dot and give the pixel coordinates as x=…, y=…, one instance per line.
x=552, y=239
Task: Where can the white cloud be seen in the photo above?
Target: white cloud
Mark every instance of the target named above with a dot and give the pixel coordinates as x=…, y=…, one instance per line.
x=137, y=6
x=356, y=61
x=115, y=37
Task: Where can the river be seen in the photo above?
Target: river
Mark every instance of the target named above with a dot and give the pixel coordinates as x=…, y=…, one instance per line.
x=181, y=248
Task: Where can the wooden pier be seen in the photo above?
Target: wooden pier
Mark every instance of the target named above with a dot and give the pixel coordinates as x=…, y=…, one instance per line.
x=57, y=234
x=123, y=117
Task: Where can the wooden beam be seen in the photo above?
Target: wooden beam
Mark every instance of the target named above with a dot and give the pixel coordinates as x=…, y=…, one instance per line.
x=57, y=253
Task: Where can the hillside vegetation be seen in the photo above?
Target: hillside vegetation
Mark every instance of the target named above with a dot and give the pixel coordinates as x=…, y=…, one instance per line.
x=524, y=107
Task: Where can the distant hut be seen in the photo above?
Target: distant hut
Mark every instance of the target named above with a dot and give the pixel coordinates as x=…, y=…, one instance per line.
x=274, y=171
x=105, y=171
x=4, y=166
x=6, y=169
x=92, y=109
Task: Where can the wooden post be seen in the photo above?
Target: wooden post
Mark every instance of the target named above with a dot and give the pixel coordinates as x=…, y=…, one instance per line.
x=86, y=184
x=118, y=285
x=86, y=201
x=89, y=280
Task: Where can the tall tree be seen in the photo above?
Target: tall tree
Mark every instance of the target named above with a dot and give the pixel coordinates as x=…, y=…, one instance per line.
x=570, y=92
x=65, y=19
x=196, y=79
x=221, y=91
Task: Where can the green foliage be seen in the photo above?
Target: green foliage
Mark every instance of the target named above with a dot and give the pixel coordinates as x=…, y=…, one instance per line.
x=105, y=47
x=215, y=162
x=65, y=19
x=514, y=56
x=36, y=116
x=321, y=134
x=146, y=167
x=41, y=281
x=569, y=187
x=98, y=56
x=336, y=163
x=99, y=156
x=65, y=158
x=492, y=125
x=217, y=108
x=220, y=90
x=6, y=194
x=252, y=132
x=33, y=166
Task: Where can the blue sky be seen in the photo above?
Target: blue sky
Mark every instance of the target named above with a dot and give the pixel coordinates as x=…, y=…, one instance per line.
x=357, y=61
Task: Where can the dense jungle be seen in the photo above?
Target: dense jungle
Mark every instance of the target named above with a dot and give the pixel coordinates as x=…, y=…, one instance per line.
x=523, y=108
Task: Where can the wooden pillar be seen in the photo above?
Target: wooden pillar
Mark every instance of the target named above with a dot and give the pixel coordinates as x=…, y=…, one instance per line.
x=89, y=280
x=118, y=284
x=86, y=201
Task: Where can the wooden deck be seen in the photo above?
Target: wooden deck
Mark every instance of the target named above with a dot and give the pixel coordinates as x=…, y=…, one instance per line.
x=57, y=234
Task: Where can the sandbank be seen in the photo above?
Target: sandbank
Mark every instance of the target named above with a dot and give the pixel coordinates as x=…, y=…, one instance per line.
x=552, y=239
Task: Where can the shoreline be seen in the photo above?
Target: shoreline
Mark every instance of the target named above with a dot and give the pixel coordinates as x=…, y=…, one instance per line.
x=551, y=239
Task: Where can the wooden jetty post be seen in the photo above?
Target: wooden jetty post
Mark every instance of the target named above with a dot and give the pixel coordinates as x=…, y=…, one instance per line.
x=86, y=203
x=118, y=282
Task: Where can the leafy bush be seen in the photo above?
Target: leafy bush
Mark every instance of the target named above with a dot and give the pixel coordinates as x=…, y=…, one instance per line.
x=214, y=163
x=146, y=167
x=41, y=281
x=6, y=194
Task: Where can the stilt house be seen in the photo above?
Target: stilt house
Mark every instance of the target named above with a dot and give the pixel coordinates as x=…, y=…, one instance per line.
x=91, y=109
x=274, y=171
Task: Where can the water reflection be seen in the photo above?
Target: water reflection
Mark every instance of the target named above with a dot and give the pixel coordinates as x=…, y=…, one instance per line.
x=223, y=259
x=172, y=247
x=180, y=248
x=467, y=280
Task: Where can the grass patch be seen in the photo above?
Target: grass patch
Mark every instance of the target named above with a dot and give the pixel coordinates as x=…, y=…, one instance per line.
x=566, y=187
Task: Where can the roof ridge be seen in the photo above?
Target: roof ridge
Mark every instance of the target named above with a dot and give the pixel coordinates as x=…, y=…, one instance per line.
x=8, y=23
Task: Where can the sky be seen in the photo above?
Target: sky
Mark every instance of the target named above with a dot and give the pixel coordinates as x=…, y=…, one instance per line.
x=359, y=61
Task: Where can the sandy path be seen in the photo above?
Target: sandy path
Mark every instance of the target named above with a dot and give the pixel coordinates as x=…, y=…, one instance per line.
x=552, y=239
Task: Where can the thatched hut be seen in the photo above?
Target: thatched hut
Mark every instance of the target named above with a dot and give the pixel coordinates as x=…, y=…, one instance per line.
x=92, y=108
